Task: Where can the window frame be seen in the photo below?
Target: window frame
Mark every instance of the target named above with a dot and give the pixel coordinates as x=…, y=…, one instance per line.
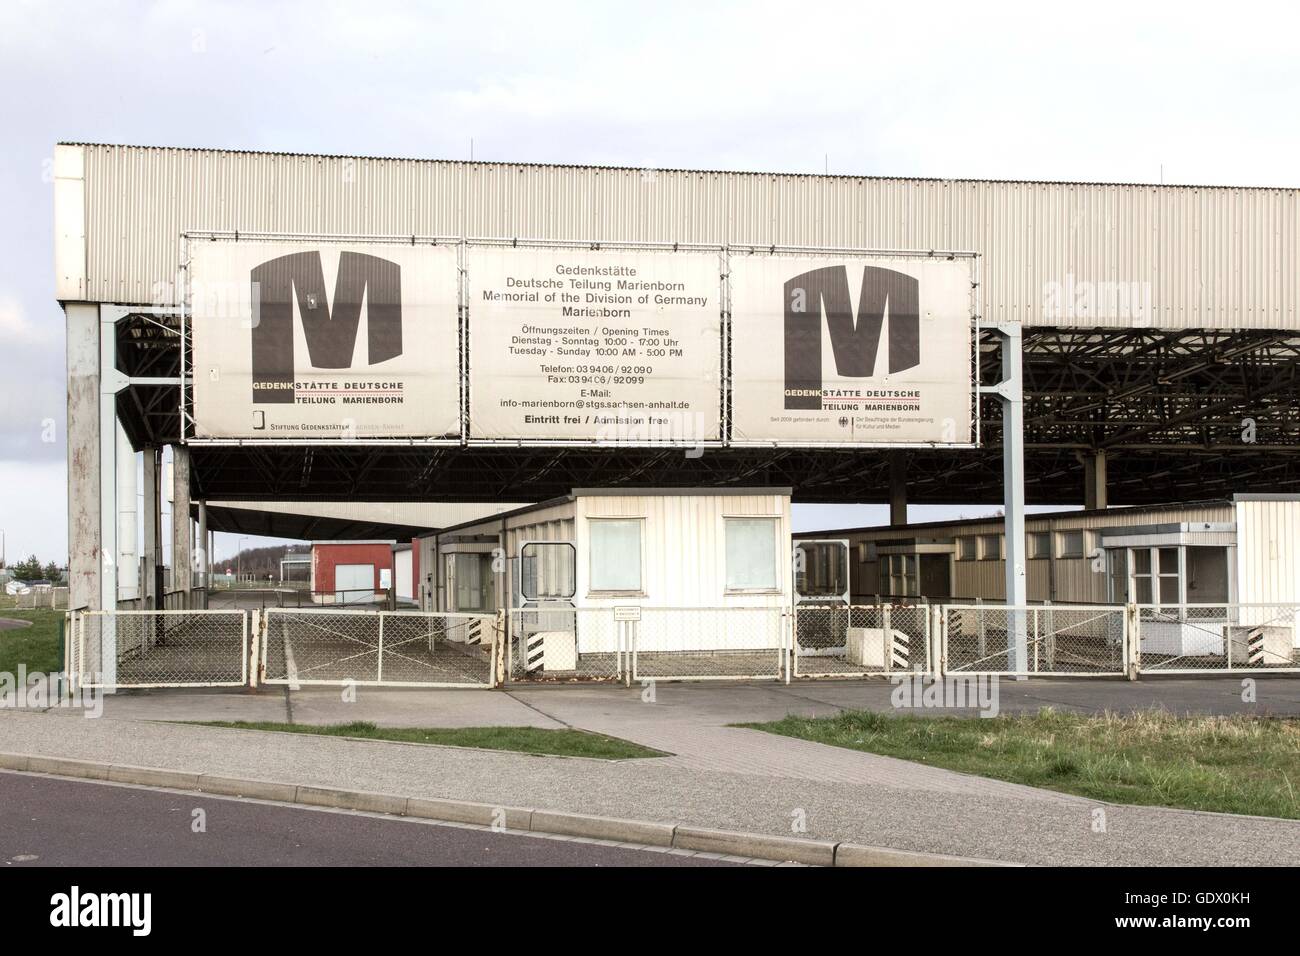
x=1063, y=552
x=1037, y=554
x=983, y=547
x=775, y=586
x=639, y=589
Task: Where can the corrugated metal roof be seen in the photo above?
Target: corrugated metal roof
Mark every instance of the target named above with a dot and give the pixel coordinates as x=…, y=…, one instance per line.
x=674, y=169
x=1054, y=254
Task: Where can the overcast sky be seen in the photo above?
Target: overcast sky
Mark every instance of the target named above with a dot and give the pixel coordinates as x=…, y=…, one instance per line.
x=1128, y=92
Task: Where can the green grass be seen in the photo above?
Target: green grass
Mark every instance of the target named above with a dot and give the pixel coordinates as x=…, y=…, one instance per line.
x=529, y=740
x=1235, y=764
x=37, y=646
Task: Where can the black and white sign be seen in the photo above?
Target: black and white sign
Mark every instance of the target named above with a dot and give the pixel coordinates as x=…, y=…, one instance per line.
x=851, y=350
x=603, y=346
x=324, y=340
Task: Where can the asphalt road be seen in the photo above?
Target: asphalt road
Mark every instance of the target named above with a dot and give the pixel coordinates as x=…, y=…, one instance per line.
x=47, y=821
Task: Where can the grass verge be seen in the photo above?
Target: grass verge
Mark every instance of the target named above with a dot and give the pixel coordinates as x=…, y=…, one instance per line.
x=528, y=740
x=36, y=646
x=1236, y=764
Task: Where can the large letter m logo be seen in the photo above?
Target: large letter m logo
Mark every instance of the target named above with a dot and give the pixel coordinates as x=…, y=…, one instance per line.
x=854, y=340
x=330, y=330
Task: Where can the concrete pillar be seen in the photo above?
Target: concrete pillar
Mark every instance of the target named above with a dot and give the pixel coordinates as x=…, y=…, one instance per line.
x=182, y=542
x=201, y=556
x=85, y=561
x=150, y=515
x=897, y=487
x=128, y=532
x=1094, y=480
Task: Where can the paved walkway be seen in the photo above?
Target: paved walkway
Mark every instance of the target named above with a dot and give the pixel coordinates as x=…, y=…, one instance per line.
x=718, y=776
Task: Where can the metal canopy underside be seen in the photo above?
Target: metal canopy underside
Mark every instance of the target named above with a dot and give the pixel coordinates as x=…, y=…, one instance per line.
x=1181, y=415
x=303, y=527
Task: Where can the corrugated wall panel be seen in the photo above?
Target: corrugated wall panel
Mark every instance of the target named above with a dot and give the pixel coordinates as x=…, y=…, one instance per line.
x=1205, y=257
x=1268, y=551
x=1075, y=578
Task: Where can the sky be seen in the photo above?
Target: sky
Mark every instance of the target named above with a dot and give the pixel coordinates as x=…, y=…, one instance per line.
x=1122, y=92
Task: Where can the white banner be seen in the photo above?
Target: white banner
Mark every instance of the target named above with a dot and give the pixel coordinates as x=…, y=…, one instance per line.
x=604, y=346
x=324, y=340
x=851, y=350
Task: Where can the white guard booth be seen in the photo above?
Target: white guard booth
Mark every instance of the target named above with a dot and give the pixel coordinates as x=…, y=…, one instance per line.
x=708, y=570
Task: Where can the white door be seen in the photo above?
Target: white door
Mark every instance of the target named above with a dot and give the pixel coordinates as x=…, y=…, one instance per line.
x=402, y=568
x=354, y=583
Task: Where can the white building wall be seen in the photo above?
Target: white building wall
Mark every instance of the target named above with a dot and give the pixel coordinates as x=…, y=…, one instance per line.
x=1268, y=552
x=684, y=548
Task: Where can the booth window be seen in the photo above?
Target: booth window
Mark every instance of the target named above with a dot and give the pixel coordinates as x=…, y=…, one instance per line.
x=898, y=575
x=1070, y=544
x=615, y=554
x=1040, y=544
x=990, y=547
x=751, y=554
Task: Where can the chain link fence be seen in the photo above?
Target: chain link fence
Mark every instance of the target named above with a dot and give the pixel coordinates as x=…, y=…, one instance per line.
x=861, y=640
x=388, y=648
x=304, y=646
x=1051, y=640
x=715, y=643
x=1201, y=638
x=564, y=643
x=52, y=598
x=125, y=649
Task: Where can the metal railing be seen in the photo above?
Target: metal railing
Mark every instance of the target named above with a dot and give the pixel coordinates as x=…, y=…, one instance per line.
x=288, y=597
x=558, y=642
x=713, y=643
x=342, y=645
x=1059, y=640
x=302, y=646
x=1208, y=638
x=160, y=648
x=861, y=640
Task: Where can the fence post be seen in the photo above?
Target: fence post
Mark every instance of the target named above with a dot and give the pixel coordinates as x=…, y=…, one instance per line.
x=790, y=648
x=937, y=640
x=1132, y=641
x=379, y=667
x=253, y=632
x=498, y=658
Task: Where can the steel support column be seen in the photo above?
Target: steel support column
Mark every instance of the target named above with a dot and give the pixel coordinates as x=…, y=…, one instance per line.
x=897, y=488
x=1010, y=395
x=1094, y=480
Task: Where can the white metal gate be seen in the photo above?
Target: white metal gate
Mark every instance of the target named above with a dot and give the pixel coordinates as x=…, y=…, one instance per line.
x=710, y=643
x=303, y=646
x=1216, y=638
x=861, y=640
x=1056, y=640
x=192, y=648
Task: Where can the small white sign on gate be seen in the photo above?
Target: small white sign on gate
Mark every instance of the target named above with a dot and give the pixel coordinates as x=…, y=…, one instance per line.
x=627, y=613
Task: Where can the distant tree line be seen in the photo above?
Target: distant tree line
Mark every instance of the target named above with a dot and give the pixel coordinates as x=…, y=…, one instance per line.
x=260, y=561
x=33, y=570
